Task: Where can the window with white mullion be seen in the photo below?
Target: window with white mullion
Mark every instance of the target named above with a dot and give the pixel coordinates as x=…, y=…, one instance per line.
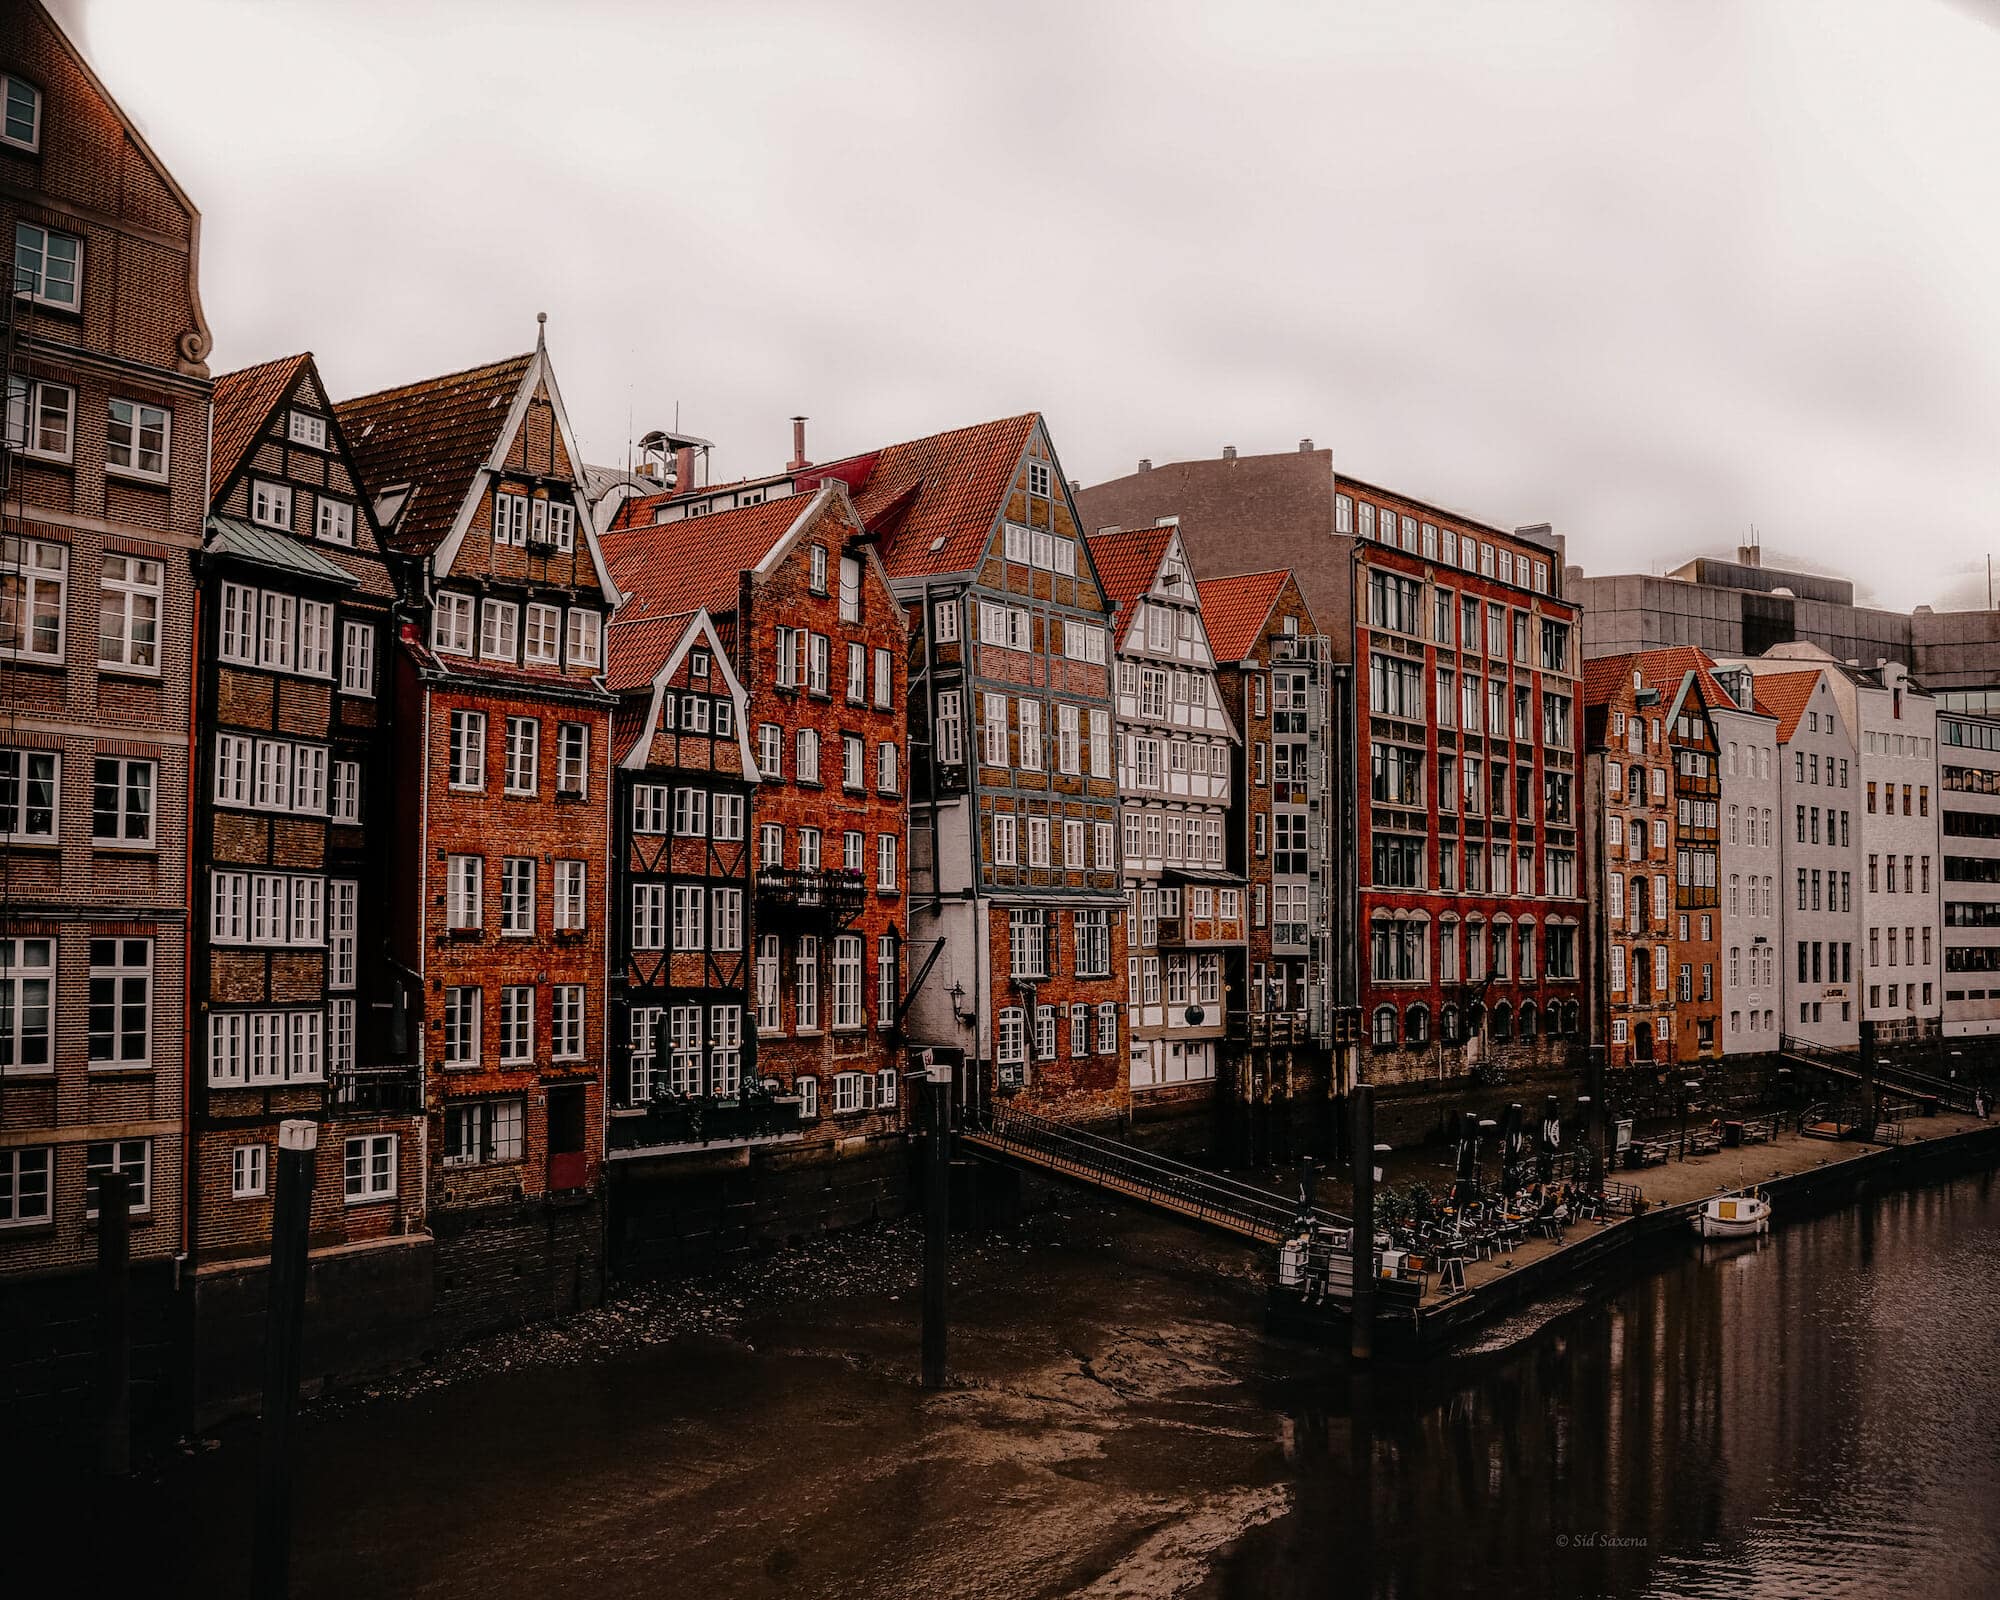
x=137, y=438
x=271, y=504
x=34, y=593
x=30, y=791
x=357, y=659
x=41, y=419
x=27, y=995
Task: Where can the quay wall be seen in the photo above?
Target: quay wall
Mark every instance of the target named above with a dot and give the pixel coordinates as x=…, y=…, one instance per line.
x=1615, y=1250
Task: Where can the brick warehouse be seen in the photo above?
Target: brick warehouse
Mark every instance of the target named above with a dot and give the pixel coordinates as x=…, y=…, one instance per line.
x=804, y=610
x=1274, y=677
x=297, y=1013
x=502, y=834
x=1178, y=750
x=105, y=345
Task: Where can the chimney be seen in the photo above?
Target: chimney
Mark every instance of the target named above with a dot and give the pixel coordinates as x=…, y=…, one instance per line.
x=1305, y=447
x=1145, y=465
x=1229, y=452
x=798, y=460
x=1749, y=555
x=684, y=469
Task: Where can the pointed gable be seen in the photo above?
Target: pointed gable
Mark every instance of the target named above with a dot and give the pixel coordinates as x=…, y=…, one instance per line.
x=933, y=502
x=244, y=401
x=253, y=407
x=1128, y=563
x=1786, y=695
x=431, y=438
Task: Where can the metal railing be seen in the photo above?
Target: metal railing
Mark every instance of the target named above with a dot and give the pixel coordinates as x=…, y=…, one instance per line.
x=1111, y=1164
x=1890, y=1074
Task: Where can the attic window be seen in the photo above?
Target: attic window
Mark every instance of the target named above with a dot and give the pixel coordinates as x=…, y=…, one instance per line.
x=306, y=429
x=1038, y=477
x=698, y=664
x=23, y=125
x=937, y=544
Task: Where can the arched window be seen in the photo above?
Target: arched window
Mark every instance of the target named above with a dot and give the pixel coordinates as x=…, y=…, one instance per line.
x=1417, y=1025
x=1637, y=902
x=1448, y=1024
x=1503, y=1023
x=1385, y=1025
x=1527, y=1021
x=1569, y=1019
x=1475, y=1019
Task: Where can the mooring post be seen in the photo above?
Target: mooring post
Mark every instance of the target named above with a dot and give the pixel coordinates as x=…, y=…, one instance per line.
x=291, y=1219
x=937, y=1219
x=1361, y=1318
x=114, y=1323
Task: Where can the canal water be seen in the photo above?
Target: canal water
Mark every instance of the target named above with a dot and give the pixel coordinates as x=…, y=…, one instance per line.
x=1815, y=1414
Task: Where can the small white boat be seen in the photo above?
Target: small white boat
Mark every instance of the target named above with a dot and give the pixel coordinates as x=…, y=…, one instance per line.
x=1733, y=1216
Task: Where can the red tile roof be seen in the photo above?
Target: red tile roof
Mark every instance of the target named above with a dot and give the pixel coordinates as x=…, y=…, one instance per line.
x=672, y=568
x=1603, y=676
x=1664, y=670
x=432, y=435
x=1784, y=695
x=244, y=401
x=642, y=510
x=1234, y=610
x=637, y=648
x=932, y=502
x=1127, y=563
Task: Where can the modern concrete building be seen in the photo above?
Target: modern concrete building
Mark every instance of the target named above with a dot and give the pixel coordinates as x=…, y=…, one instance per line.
x=1741, y=607
x=1969, y=807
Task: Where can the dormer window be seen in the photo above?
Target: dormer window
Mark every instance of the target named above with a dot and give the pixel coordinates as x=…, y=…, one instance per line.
x=22, y=127
x=271, y=504
x=306, y=429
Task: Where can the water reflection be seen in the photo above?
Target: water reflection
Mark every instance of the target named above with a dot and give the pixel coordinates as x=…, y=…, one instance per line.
x=1818, y=1412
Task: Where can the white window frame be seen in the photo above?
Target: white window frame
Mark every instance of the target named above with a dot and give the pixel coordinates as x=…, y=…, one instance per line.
x=10, y=83
x=271, y=504
x=39, y=291
x=306, y=428
x=29, y=413
x=249, y=1169
x=123, y=839
x=143, y=418
x=29, y=570
x=585, y=636
x=357, y=659
x=451, y=624
x=368, y=1168
x=18, y=780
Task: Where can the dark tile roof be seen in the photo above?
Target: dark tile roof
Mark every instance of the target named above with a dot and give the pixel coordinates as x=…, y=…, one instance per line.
x=432, y=435
x=244, y=401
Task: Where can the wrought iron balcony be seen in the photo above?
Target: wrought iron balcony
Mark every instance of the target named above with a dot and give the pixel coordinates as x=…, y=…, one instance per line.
x=831, y=894
x=373, y=1092
x=684, y=1122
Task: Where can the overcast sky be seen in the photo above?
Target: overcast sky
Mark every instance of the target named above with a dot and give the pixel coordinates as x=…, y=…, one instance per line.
x=1653, y=272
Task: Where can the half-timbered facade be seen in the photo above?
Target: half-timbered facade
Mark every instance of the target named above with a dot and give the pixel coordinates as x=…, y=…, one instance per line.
x=294, y=791
x=1016, y=898
x=1185, y=914
x=503, y=826
x=684, y=1072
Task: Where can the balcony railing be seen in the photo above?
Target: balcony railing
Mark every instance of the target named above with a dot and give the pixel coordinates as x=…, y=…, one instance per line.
x=373, y=1091
x=811, y=893
x=1269, y=1027
x=685, y=1122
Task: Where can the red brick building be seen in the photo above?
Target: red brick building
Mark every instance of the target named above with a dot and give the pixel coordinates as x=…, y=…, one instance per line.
x=1015, y=924
x=294, y=810
x=803, y=608
x=502, y=833
x=101, y=508
x=1653, y=792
